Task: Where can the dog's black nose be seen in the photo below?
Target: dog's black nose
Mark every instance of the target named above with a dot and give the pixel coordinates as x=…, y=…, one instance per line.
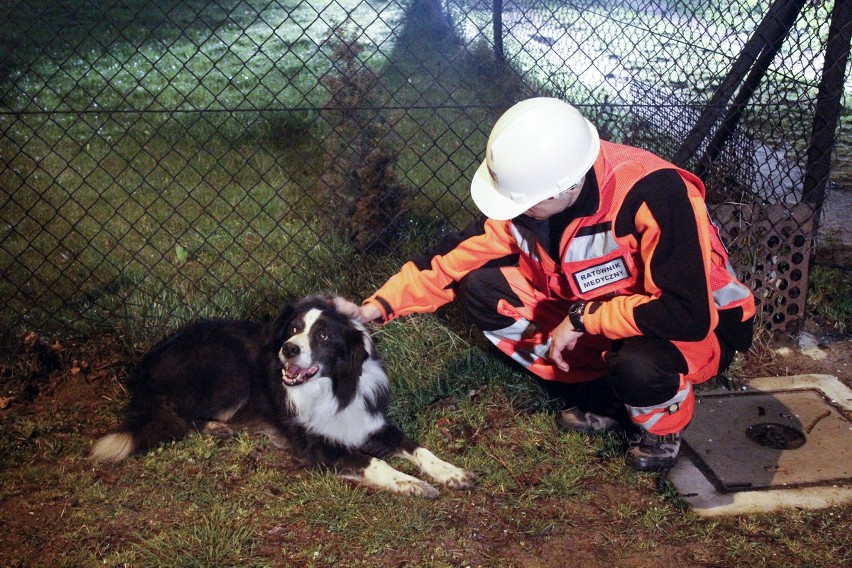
x=290, y=349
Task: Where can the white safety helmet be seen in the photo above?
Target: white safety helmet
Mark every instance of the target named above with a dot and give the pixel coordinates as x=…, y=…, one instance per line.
x=538, y=149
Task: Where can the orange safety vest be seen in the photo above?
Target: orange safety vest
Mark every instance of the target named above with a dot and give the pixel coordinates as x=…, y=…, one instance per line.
x=595, y=264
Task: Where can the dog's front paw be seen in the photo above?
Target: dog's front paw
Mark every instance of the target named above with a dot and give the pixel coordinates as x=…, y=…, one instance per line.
x=442, y=472
x=457, y=478
x=414, y=486
x=380, y=475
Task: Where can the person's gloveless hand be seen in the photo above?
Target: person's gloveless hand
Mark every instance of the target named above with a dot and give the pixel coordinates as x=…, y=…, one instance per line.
x=563, y=337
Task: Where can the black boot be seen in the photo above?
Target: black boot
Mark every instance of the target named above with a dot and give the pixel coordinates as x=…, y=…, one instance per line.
x=649, y=452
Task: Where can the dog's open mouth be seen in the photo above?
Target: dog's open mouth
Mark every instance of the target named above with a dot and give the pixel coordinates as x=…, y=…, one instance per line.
x=293, y=375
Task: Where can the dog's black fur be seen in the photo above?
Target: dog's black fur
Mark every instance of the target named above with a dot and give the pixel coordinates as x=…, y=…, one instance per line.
x=311, y=378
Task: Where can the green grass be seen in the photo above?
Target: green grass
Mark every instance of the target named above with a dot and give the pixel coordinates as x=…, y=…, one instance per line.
x=830, y=298
x=219, y=538
x=185, y=56
x=125, y=216
x=241, y=502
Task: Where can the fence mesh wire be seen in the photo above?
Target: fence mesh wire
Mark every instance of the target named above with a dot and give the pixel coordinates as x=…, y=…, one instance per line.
x=161, y=160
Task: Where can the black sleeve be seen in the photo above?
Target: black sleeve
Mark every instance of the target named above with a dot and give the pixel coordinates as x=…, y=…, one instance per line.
x=682, y=312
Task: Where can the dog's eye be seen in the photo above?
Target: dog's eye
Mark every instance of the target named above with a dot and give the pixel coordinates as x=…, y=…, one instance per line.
x=323, y=336
x=294, y=330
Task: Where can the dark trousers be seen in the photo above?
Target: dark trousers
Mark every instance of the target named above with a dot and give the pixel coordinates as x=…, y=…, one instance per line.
x=639, y=372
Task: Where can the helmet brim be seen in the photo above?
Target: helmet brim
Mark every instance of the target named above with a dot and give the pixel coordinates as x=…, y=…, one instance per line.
x=489, y=200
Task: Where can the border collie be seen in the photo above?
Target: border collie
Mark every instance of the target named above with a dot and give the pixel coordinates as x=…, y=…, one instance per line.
x=311, y=379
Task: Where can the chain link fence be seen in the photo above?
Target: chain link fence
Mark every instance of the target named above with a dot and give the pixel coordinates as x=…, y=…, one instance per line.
x=164, y=160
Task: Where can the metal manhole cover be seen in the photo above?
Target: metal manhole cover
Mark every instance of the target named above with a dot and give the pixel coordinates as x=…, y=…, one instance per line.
x=751, y=440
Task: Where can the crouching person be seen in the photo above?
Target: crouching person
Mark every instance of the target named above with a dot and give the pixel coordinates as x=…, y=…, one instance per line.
x=596, y=268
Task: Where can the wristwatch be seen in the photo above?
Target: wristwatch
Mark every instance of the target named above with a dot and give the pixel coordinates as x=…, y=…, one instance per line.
x=575, y=314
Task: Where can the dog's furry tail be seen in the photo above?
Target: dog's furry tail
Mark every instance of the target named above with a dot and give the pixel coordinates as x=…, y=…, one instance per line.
x=148, y=423
x=113, y=447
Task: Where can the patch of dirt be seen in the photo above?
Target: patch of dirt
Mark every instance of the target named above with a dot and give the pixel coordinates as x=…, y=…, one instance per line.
x=814, y=356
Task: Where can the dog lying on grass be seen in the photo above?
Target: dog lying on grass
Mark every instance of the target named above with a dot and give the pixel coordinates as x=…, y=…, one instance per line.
x=311, y=379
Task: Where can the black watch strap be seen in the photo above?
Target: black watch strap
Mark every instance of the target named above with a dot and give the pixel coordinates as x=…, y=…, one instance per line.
x=575, y=314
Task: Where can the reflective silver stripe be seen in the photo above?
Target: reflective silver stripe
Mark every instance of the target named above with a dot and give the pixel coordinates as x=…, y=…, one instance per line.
x=669, y=407
x=730, y=293
x=729, y=267
x=514, y=333
x=590, y=246
x=526, y=240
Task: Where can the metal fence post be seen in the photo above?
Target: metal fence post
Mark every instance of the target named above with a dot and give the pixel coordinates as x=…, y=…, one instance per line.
x=499, y=56
x=785, y=23
x=769, y=28
x=827, y=113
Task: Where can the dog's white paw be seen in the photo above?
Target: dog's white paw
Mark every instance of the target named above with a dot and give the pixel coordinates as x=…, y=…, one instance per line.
x=416, y=487
x=382, y=476
x=441, y=471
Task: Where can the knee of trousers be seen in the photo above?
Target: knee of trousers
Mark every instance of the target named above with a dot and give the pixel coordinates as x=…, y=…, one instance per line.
x=645, y=371
x=649, y=376
x=479, y=294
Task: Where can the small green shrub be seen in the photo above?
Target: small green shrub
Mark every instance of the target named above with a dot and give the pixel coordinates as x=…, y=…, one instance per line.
x=361, y=196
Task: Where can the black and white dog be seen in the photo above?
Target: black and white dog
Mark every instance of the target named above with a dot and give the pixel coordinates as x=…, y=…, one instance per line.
x=311, y=378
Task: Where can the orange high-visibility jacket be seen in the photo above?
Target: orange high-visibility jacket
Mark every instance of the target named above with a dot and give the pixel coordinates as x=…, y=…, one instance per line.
x=648, y=260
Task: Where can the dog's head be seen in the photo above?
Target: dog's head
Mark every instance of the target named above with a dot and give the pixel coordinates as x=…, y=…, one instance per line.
x=318, y=342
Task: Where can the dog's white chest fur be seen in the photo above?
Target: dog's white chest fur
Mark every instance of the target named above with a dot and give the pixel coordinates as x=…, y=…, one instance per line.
x=316, y=408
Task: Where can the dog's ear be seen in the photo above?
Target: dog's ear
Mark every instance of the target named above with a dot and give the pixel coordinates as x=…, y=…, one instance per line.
x=277, y=328
x=358, y=352
x=348, y=368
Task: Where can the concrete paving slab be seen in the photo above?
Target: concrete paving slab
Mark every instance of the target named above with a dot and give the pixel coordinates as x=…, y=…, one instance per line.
x=781, y=442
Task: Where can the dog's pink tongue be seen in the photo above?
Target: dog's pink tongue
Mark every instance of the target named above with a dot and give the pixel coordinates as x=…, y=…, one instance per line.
x=296, y=371
x=297, y=374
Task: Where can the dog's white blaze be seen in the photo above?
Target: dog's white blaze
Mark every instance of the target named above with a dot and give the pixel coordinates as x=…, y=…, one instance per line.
x=439, y=470
x=381, y=475
x=303, y=340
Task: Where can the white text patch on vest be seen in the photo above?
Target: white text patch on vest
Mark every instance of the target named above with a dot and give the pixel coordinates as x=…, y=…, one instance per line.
x=601, y=275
